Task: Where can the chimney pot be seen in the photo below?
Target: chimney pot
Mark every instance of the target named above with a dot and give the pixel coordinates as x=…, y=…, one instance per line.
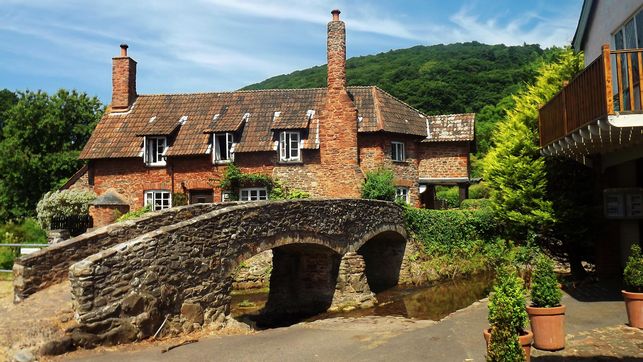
x=335, y=13
x=124, y=50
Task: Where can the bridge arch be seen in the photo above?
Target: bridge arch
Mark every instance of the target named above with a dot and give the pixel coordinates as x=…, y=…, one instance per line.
x=184, y=270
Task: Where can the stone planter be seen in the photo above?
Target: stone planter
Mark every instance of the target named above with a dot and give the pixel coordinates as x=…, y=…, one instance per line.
x=548, y=326
x=634, y=306
x=525, y=338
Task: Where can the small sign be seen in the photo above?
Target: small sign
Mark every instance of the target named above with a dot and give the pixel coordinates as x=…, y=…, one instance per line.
x=623, y=203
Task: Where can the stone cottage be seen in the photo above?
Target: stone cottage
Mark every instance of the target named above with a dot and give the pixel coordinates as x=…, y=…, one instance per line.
x=148, y=147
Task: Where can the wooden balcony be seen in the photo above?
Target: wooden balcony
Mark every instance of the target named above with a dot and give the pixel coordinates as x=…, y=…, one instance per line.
x=578, y=120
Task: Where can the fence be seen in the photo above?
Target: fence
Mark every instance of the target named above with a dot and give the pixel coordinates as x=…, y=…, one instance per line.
x=76, y=224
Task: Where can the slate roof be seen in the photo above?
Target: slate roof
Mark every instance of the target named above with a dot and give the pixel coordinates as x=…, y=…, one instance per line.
x=190, y=118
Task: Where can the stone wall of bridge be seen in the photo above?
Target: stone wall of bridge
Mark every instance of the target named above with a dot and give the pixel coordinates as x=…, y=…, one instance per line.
x=50, y=265
x=185, y=271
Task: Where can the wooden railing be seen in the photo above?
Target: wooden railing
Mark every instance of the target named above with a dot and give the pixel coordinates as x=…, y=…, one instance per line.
x=592, y=94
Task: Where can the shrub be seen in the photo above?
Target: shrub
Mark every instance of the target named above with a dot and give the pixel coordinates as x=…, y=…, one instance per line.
x=474, y=204
x=507, y=302
x=633, y=273
x=281, y=192
x=545, y=292
x=27, y=232
x=479, y=191
x=504, y=344
x=233, y=180
x=63, y=203
x=450, y=195
x=507, y=316
x=448, y=231
x=134, y=214
x=378, y=185
x=179, y=199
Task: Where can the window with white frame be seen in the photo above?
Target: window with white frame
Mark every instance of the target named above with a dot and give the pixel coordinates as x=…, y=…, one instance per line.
x=628, y=36
x=397, y=151
x=155, y=148
x=158, y=199
x=226, y=196
x=253, y=194
x=222, y=145
x=289, y=148
x=402, y=194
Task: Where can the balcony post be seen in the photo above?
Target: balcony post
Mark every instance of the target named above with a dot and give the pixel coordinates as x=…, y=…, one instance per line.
x=607, y=69
x=565, y=106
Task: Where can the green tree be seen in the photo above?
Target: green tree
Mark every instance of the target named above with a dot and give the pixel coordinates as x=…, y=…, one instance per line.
x=43, y=136
x=514, y=169
x=7, y=100
x=378, y=185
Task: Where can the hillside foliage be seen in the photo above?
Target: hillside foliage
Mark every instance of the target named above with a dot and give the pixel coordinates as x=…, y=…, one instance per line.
x=439, y=79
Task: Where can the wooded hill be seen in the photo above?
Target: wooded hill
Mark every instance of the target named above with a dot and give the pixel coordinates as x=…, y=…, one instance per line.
x=437, y=79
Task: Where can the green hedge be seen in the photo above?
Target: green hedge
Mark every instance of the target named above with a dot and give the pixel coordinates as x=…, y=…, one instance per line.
x=474, y=204
x=27, y=232
x=450, y=231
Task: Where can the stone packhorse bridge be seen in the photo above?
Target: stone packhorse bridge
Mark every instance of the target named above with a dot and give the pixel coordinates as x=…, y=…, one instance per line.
x=326, y=253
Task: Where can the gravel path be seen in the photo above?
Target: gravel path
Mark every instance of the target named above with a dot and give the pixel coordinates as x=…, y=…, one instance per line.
x=42, y=317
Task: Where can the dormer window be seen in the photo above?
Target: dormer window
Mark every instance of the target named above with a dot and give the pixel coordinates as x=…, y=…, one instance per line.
x=223, y=147
x=397, y=151
x=155, y=147
x=289, y=146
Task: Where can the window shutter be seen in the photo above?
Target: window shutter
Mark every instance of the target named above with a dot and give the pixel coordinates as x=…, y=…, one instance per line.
x=282, y=145
x=229, y=142
x=145, y=151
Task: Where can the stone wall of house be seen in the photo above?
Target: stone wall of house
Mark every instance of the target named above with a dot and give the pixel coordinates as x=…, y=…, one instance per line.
x=375, y=152
x=50, y=265
x=444, y=160
x=188, y=266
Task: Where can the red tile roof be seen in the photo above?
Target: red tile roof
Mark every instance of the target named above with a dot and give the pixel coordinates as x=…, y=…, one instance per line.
x=253, y=114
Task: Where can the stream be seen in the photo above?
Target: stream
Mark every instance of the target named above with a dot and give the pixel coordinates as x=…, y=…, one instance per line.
x=429, y=302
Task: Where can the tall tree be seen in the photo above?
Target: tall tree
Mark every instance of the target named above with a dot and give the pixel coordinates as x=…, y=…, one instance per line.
x=7, y=100
x=43, y=136
x=514, y=169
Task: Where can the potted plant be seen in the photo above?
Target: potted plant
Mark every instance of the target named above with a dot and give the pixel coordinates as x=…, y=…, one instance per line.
x=508, y=319
x=633, y=293
x=546, y=314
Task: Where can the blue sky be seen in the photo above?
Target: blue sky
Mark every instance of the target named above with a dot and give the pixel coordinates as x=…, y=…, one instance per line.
x=214, y=45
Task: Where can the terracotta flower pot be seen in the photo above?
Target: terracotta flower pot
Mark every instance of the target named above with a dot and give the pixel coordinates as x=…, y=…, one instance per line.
x=525, y=338
x=548, y=326
x=634, y=306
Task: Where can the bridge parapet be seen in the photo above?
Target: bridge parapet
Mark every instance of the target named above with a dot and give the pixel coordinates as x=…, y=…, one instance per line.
x=126, y=291
x=50, y=265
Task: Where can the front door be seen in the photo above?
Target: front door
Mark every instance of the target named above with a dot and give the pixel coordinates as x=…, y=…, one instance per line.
x=201, y=196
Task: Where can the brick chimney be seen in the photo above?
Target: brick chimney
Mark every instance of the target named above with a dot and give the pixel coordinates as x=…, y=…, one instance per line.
x=123, y=81
x=338, y=124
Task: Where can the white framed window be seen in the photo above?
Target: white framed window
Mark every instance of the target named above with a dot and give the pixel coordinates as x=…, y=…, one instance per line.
x=402, y=193
x=397, y=151
x=289, y=147
x=158, y=199
x=154, y=150
x=253, y=194
x=226, y=196
x=222, y=143
x=628, y=36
